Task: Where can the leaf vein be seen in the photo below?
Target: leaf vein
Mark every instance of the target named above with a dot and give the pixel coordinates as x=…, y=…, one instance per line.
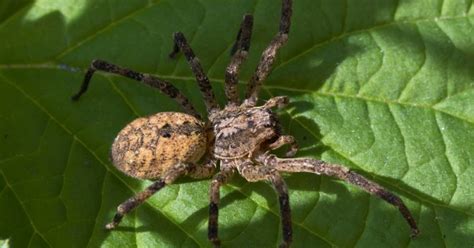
x=35, y=229
x=318, y=193
x=364, y=225
x=96, y=219
x=399, y=129
x=358, y=31
x=15, y=15
x=269, y=87
x=450, y=165
x=121, y=94
x=244, y=227
x=68, y=160
x=30, y=239
x=380, y=65
x=44, y=110
x=414, y=195
x=420, y=67
x=439, y=227
x=276, y=214
x=99, y=31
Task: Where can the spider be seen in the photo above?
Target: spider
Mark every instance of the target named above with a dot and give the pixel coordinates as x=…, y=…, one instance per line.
x=167, y=145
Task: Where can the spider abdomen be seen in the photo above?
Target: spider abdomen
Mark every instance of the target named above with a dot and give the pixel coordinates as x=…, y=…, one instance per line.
x=148, y=146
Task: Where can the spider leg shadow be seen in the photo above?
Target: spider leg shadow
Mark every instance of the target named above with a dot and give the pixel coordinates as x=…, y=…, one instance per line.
x=350, y=206
x=327, y=207
x=300, y=106
x=313, y=70
x=203, y=214
x=321, y=207
x=244, y=222
x=306, y=131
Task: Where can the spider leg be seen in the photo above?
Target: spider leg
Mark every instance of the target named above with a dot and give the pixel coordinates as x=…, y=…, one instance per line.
x=277, y=101
x=243, y=36
x=254, y=173
x=268, y=56
x=343, y=173
x=285, y=140
x=204, y=171
x=180, y=43
x=130, y=204
x=214, y=196
x=239, y=54
x=164, y=86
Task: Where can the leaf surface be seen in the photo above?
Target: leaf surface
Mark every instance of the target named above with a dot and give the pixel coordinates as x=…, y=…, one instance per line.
x=383, y=87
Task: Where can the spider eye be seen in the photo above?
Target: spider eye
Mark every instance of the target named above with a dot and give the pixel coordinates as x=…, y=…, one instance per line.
x=251, y=124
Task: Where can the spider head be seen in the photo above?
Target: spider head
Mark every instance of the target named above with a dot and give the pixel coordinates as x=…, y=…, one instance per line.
x=241, y=130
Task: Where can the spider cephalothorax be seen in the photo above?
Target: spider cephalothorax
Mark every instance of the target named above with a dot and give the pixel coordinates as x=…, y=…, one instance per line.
x=240, y=136
x=239, y=131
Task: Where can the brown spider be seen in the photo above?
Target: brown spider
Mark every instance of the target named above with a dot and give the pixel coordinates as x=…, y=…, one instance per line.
x=168, y=145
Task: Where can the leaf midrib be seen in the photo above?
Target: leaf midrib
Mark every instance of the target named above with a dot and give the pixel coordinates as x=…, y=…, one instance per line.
x=76, y=138
x=421, y=199
x=343, y=34
x=43, y=109
x=431, y=107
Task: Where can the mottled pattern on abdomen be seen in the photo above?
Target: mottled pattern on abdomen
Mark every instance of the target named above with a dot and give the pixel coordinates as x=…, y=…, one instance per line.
x=149, y=146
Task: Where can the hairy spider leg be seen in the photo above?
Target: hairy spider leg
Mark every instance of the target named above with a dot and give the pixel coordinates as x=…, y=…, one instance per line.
x=264, y=67
x=280, y=102
x=133, y=202
x=244, y=35
x=181, y=44
x=254, y=173
x=239, y=54
x=214, y=198
x=164, y=86
x=285, y=140
x=343, y=173
x=204, y=171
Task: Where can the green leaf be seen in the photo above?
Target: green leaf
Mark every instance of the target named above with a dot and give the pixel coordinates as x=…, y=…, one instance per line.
x=383, y=87
x=4, y=243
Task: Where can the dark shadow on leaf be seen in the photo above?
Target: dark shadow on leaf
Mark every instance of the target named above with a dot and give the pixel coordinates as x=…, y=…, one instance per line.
x=317, y=69
x=9, y=8
x=298, y=107
x=381, y=225
x=439, y=56
x=203, y=214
